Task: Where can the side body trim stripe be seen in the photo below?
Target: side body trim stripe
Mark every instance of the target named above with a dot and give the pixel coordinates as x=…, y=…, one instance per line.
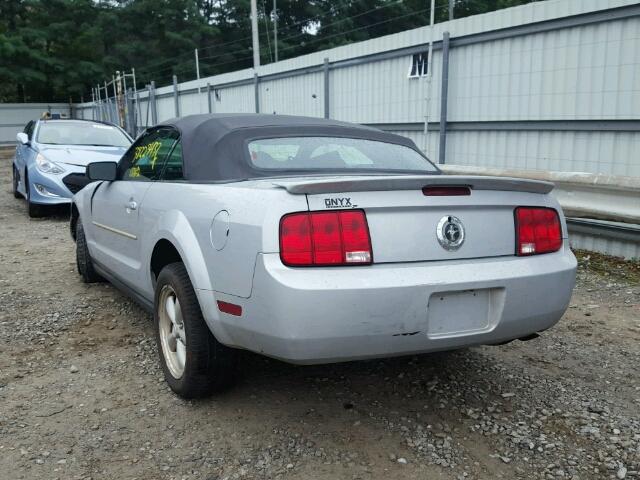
x=115, y=230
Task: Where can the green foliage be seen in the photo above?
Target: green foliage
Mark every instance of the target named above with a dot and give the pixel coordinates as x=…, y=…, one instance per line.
x=55, y=50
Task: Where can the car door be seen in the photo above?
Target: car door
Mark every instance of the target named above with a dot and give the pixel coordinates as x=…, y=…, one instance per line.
x=118, y=205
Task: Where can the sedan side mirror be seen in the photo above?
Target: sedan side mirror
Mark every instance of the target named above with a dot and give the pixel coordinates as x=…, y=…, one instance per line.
x=23, y=138
x=107, y=171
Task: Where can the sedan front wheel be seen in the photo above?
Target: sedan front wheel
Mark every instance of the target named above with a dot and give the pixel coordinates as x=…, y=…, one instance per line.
x=34, y=210
x=16, y=193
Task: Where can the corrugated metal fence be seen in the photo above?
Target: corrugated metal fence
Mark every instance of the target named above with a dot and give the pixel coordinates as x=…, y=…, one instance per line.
x=551, y=85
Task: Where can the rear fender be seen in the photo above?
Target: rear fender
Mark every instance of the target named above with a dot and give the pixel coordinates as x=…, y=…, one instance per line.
x=174, y=227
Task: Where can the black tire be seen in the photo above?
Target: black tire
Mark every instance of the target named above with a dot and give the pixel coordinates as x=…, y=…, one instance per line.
x=83, y=259
x=16, y=193
x=209, y=366
x=35, y=210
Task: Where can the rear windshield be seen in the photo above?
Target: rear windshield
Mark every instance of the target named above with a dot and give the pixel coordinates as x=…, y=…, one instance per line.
x=335, y=153
x=81, y=133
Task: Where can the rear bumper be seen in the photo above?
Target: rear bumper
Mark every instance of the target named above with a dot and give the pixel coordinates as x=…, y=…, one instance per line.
x=323, y=315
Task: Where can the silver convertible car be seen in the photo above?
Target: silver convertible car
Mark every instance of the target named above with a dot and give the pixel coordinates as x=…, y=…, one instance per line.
x=315, y=241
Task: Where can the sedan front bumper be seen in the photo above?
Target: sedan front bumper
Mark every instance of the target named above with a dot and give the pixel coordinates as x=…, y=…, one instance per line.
x=53, y=184
x=324, y=315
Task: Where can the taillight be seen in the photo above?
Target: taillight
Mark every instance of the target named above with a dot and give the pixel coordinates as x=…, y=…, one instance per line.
x=325, y=238
x=537, y=230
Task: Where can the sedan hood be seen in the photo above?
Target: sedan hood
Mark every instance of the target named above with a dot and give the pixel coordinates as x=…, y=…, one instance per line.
x=82, y=155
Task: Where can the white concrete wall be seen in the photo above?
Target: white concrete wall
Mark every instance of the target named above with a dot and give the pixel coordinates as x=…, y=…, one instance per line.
x=15, y=116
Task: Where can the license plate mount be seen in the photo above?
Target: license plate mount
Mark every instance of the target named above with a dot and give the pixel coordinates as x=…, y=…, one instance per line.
x=464, y=312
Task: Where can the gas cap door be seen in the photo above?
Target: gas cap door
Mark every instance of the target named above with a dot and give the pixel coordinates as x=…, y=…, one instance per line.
x=220, y=230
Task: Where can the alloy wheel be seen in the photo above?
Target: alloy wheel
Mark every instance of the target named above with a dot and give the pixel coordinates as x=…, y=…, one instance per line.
x=172, y=333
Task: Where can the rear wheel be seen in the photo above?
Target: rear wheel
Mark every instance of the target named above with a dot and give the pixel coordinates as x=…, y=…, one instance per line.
x=35, y=210
x=195, y=364
x=16, y=193
x=83, y=259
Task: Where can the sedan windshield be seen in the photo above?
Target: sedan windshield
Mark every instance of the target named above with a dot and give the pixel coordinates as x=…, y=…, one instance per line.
x=81, y=133
x=335, y=153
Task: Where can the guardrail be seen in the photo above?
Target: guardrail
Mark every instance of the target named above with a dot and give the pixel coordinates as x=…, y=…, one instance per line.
x=613, y=230
x=583, y=195
x=619, y=239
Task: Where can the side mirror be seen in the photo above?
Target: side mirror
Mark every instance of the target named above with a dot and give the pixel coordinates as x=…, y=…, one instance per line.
x=107, y=171
x=23, y=138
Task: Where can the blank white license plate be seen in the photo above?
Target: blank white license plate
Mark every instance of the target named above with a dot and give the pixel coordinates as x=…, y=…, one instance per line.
x=464, y=312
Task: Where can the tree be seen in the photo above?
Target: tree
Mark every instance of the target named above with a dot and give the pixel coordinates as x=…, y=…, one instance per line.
x=19, y=63
x=159, y=37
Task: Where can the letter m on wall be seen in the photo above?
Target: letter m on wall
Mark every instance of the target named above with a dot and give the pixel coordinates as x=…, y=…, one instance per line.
x=419, y=65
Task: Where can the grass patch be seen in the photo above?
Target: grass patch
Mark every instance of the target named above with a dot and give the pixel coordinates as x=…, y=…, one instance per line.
x=607, y=266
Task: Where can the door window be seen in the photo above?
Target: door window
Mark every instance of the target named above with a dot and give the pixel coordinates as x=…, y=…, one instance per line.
x=173, y=166
x=143, y=162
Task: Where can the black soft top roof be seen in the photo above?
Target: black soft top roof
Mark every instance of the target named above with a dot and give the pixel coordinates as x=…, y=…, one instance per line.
x=214, y=145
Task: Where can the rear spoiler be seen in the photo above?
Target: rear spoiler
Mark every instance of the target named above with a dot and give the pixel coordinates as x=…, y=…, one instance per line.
x=314, y=186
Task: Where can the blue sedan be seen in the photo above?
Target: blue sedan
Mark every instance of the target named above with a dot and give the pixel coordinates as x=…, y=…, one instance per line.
x=52, y=155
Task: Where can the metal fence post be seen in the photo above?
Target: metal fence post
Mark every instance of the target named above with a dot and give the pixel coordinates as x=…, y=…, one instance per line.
x=444, y=91
x=116, y=112
x=93, y=104
x=137, y=113
x=99, y=104
x=176, y=100
x=325, y=70
x=146, y=118
x=209, y=97
x=96, y=105
x=126, y=99
x=131, y=114
x=256, y=87
x=152, y=100
x=109, y=116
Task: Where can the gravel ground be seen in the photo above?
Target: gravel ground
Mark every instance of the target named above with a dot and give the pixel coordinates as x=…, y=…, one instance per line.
x=82, y=396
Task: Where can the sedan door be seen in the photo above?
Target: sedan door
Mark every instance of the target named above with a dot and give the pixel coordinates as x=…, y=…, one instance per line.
x=117, y=205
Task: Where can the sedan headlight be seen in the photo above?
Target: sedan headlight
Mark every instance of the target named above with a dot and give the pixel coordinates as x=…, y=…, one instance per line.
x=47, y=166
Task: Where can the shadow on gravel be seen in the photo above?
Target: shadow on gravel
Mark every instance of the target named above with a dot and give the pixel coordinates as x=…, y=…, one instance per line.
x=470, y=377
x=56, y=213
